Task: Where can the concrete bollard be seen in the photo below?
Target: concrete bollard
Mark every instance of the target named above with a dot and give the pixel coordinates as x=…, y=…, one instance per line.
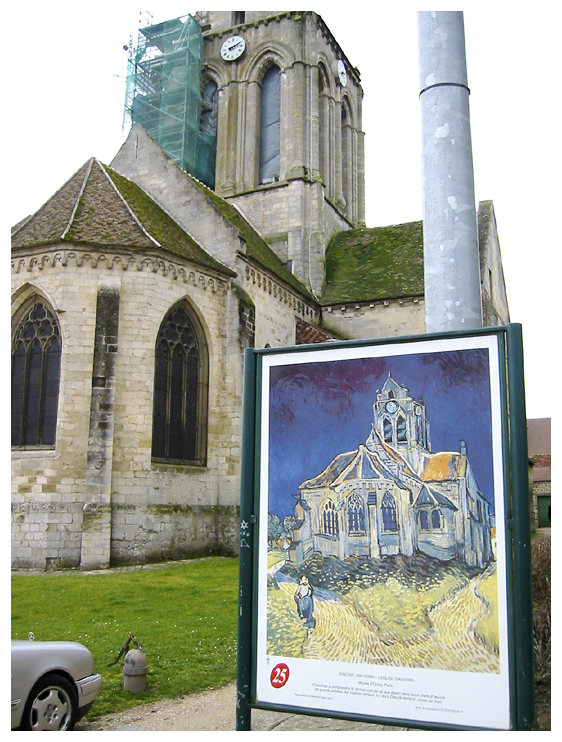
x=135, y=670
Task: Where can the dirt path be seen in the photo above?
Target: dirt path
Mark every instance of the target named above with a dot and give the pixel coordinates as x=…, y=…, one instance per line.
x=344, y=634
x=215, y=711
x=212, y=711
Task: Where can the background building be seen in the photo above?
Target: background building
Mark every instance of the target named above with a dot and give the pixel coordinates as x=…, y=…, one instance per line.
x=538, y=441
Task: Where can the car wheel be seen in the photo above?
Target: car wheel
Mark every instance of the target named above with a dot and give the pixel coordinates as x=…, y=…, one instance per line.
x=51, y=706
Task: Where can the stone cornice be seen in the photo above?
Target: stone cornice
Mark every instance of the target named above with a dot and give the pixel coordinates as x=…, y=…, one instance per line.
x=60, y=258
x=256, y=276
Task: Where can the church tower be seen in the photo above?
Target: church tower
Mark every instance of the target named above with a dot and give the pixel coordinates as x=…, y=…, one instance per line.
x=401, y=422
x=281, y=105
x=290, y=145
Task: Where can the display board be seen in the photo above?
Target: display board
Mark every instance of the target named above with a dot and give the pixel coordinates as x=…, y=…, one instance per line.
x=379, y=492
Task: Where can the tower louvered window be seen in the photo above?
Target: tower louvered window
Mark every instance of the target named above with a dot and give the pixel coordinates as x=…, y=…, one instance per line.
x=401, y=430
x=36, y=356
x=179, y=432
x=270, y=127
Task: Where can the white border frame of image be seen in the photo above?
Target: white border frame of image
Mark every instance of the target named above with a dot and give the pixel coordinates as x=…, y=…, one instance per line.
x=467, y=699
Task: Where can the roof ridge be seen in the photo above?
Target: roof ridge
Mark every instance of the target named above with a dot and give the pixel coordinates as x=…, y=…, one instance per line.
x=124, y=200
x=28, y=219
x=77, y=202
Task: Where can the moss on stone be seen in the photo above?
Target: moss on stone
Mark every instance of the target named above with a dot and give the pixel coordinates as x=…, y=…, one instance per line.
x=374, y=264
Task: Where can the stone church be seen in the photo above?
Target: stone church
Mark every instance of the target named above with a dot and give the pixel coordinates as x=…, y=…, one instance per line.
x=393, y=495
x=233, y=216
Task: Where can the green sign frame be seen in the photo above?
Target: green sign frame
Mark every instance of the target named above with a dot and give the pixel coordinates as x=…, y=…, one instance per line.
x=479, y=372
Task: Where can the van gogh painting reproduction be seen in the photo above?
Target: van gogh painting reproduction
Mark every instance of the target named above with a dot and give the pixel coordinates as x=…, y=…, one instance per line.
x=381, y=512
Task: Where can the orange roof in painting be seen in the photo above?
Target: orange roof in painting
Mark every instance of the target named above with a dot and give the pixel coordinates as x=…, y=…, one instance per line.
x=443, y=466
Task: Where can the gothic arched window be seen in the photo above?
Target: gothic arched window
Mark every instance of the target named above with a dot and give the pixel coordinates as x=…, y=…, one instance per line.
x=208, y=120
x=179, y=431
x=420, y=429
x=401, y=432
x=323, y=130
x=329, y=519
x=388, y=512
x=346, y=156
x=356, y=514
x=36, y=356
x=270, y=127
x=424, y=521
x=207, y=145
x=435, y=518
x=387, y=430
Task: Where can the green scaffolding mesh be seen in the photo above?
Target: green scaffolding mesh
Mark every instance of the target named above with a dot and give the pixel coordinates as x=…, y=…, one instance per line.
x=163, y=94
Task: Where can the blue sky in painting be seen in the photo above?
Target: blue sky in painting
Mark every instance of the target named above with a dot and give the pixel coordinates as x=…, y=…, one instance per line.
x=318, y=410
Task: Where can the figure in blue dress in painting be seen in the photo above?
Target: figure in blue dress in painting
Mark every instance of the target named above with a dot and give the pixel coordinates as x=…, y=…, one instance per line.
x=305, y=604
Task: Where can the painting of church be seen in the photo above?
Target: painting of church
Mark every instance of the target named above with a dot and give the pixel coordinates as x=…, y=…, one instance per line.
x=393, y=495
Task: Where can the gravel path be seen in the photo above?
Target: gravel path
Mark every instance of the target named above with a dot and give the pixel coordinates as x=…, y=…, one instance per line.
x=213, y=711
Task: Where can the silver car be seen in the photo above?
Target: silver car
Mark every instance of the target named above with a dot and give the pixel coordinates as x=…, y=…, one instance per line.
x=53, y=684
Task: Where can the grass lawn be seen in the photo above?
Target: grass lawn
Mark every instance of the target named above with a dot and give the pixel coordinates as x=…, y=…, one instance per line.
x=184, y=615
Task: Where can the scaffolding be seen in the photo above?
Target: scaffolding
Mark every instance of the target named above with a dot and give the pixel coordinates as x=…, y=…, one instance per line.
x=163, y=94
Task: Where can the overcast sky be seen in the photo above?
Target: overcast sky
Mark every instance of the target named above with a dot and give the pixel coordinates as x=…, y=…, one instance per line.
x=66, y=68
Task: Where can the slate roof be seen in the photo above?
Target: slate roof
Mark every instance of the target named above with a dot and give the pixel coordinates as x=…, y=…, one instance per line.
x=99, y=207
x=365, y=465
x=333, y=470
x=428, y=496
x=374, y=264
x=350, y=466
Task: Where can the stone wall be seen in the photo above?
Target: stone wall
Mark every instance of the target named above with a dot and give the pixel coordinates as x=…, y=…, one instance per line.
x=378, y=320
x=65, y=517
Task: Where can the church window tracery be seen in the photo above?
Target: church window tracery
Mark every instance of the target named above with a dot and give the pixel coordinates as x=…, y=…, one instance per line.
x=356, y=514
x=179, y=431
x=388, y=512
x=330, y=519
x=36, y=358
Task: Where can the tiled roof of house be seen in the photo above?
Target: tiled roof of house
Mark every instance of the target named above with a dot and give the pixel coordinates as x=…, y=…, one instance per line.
x=310, y=334
x=374, y=264
x=97, y=206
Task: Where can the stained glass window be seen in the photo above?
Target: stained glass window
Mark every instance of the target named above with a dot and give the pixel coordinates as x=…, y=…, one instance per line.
x=36, y=357
x=179, y=431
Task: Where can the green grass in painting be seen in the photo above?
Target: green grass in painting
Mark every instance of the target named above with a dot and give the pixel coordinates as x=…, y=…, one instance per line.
x=184, y=616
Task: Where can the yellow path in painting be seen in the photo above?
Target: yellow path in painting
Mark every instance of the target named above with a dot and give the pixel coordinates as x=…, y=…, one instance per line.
x=343, y=634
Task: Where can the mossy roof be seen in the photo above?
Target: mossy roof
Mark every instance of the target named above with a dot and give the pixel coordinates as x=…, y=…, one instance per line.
x=256, y=247
x=99, y=207
x=374, y=264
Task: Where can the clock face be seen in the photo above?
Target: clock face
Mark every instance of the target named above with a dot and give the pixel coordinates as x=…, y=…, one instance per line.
x=233, y=48
x=391, y=406
x=418, y=411
x=342, y=74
